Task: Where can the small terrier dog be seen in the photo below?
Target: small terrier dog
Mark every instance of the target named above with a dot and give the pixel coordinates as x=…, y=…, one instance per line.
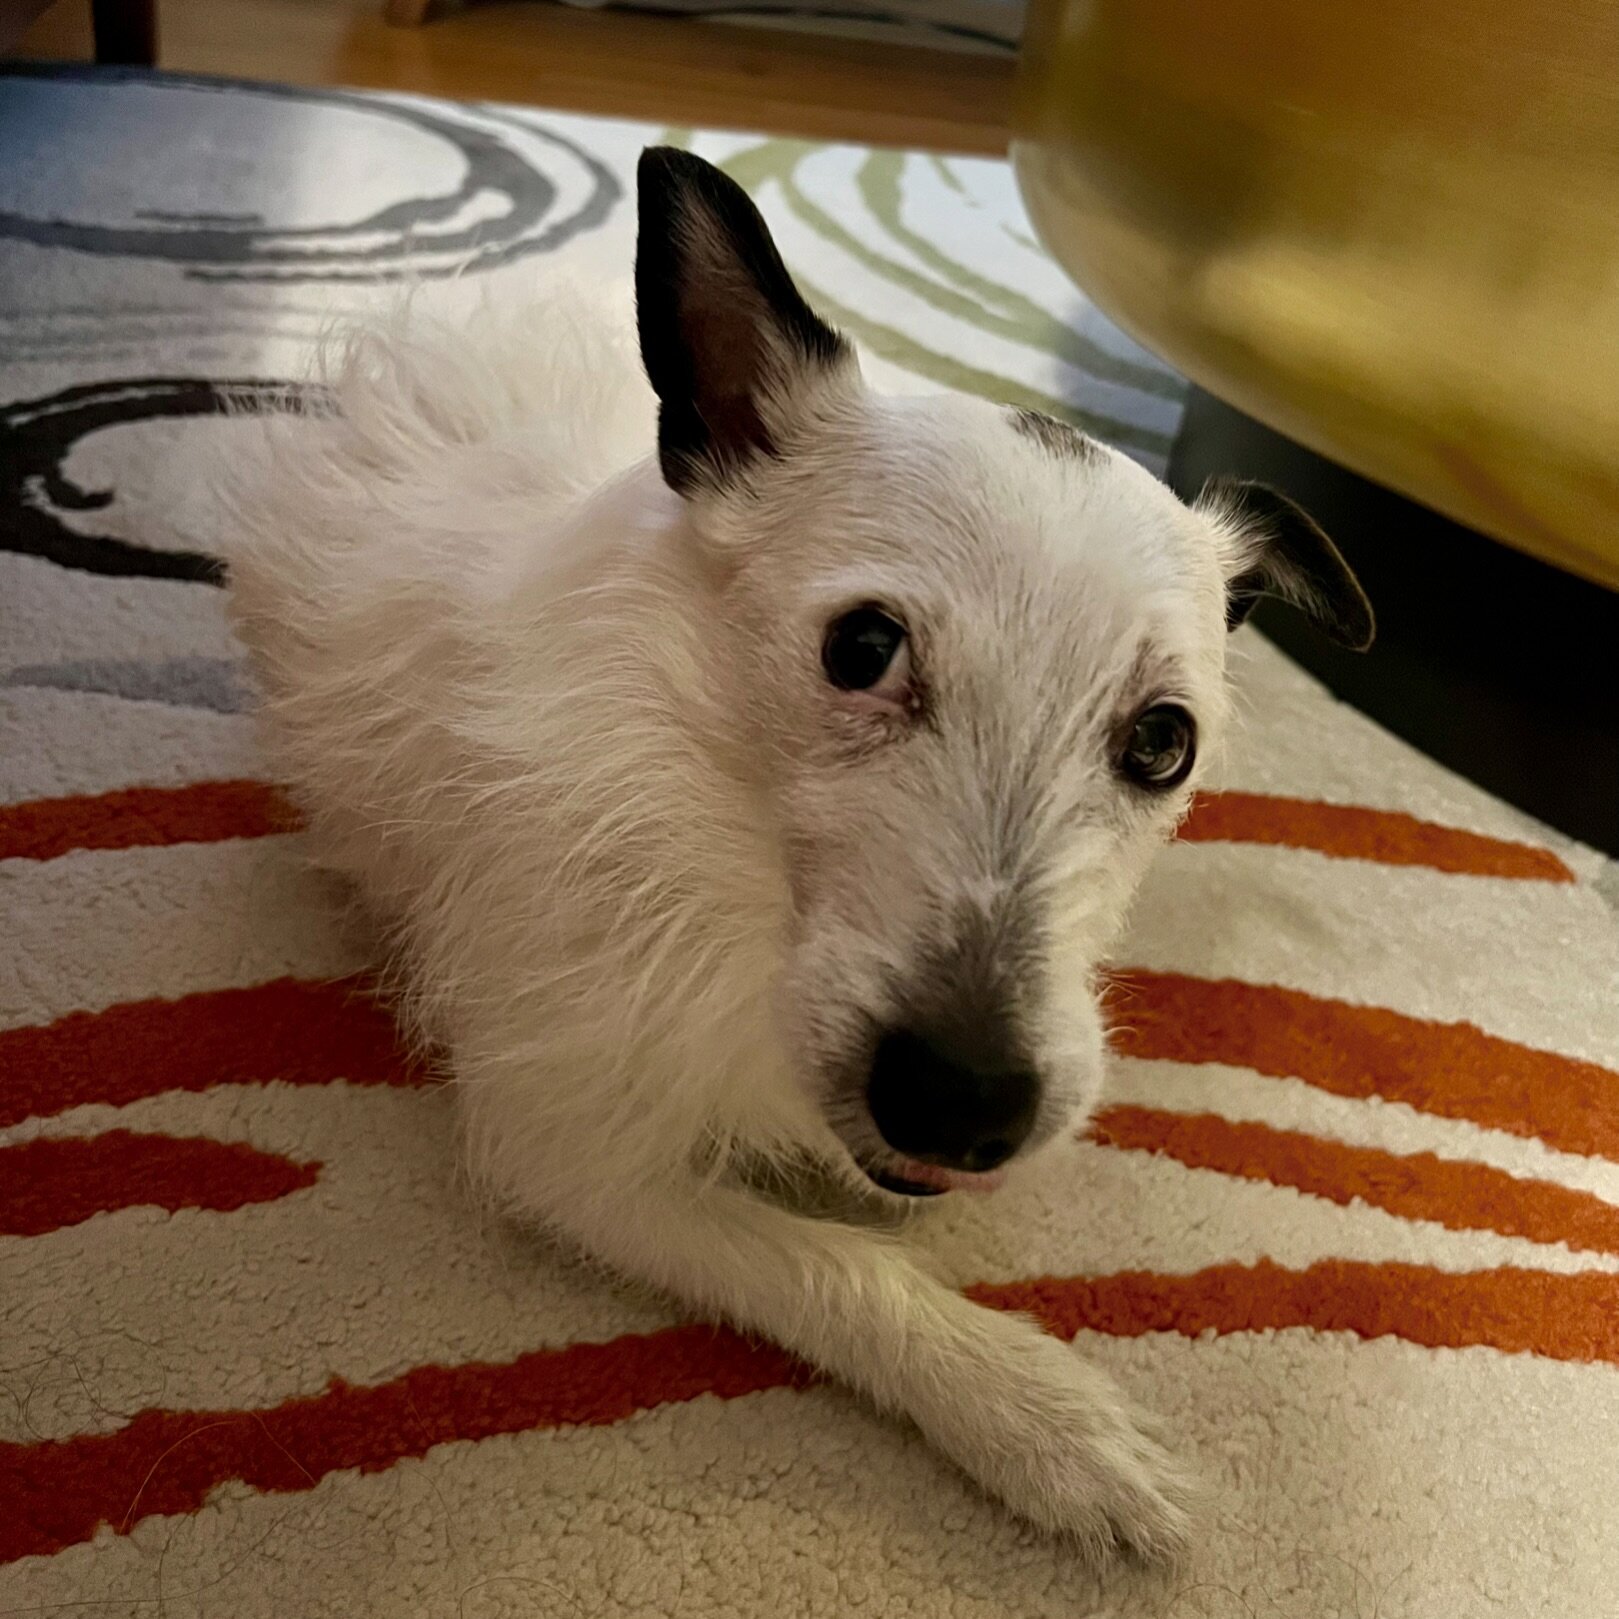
x=759, y=809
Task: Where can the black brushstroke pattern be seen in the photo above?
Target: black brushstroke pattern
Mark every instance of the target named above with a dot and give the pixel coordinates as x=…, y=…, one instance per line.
x=38, y=435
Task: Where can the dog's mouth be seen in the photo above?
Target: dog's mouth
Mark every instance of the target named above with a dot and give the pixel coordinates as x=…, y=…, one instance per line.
x=909, y=1177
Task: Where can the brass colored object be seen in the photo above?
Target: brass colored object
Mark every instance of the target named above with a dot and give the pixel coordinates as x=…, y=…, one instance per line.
x=1388, y=230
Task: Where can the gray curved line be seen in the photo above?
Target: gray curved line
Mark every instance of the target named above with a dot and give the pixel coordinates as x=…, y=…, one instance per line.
x=185, y=682
x=256, y=252
x=490, y=166
x=604, y=197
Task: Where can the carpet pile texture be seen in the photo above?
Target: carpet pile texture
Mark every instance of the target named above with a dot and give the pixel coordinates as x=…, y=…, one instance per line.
x=1349, y=1218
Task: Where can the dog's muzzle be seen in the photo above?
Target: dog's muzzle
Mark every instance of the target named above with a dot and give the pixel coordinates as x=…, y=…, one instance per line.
x=949, y=1123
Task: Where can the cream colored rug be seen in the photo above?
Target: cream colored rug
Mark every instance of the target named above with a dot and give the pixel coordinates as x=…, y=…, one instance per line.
x=1349, y=1219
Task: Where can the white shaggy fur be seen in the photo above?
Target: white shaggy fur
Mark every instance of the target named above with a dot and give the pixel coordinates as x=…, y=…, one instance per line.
x=649, y=879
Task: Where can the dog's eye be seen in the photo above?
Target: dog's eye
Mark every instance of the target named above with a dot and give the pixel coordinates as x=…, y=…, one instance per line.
x=1161, y=747
x=865, y=651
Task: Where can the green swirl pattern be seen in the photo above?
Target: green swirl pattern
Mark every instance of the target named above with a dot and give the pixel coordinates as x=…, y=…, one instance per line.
x=931, y=264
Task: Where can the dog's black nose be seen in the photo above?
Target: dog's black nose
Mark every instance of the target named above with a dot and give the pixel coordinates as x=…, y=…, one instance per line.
x=930, y=1106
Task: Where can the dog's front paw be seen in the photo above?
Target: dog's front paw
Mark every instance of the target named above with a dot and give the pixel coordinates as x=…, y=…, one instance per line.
x=1119, y=1491
x=1064, y=1448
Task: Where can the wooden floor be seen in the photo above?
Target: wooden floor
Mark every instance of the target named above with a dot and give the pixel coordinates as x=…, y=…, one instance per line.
x=664, y=70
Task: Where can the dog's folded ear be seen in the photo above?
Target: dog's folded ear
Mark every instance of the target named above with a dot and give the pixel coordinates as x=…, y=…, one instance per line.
x=725, y=337
x=1280, y=550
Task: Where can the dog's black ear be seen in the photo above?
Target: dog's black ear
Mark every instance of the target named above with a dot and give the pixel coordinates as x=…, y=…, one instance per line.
x=1283, y=552
x=725, y=336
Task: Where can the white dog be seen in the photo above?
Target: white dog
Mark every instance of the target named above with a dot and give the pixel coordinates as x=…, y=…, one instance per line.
x=762, y=807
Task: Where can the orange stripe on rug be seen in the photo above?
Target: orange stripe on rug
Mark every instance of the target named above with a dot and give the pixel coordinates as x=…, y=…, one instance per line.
x=48, y=1184
x=1353, y=832
x=1415, y=1186
x=143, y=818
x=1452, y=1070
x=212, y=811
x=166, y=1462
x=298, y=1033
x=1561, y=1317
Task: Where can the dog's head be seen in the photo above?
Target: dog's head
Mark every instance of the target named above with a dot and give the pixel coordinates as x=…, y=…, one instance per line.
x=975, y=659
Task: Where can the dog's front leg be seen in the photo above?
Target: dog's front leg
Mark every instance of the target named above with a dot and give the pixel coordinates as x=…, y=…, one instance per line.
x=1022, y=1413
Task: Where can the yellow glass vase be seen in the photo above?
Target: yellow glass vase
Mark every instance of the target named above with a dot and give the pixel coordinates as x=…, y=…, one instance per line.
x=1388, y=230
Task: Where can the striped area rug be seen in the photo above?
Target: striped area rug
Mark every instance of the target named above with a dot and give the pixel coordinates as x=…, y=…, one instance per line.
x=1349, y=1218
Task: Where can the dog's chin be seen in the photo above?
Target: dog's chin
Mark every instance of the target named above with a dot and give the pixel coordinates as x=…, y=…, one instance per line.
x=908, y=1177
